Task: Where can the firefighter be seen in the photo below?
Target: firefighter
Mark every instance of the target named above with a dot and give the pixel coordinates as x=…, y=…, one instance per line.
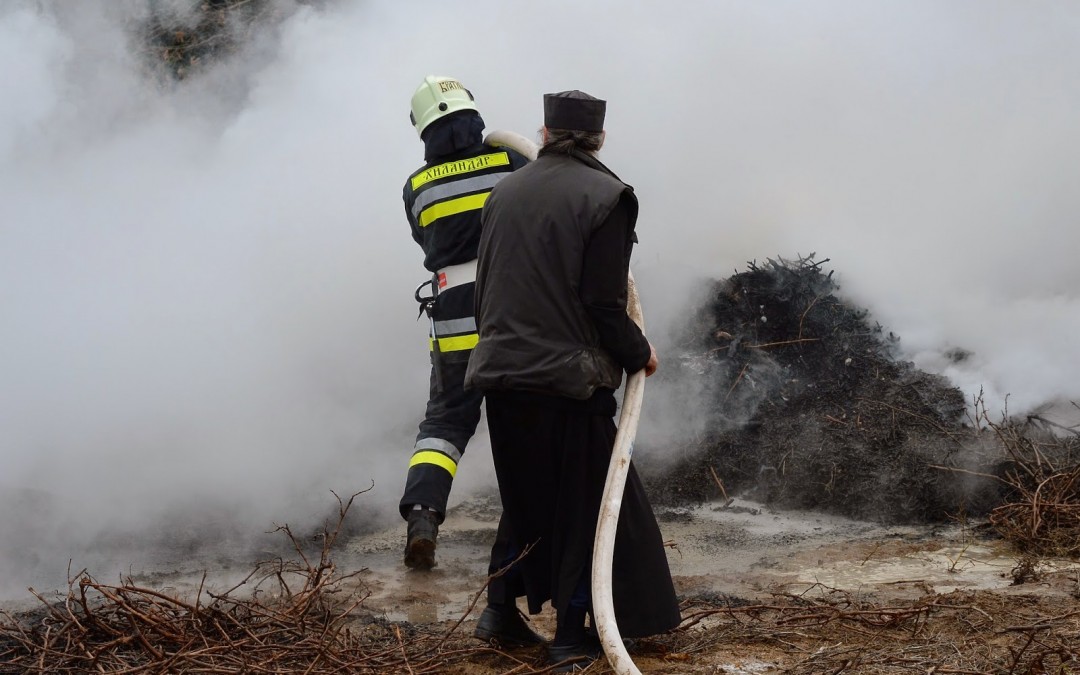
x=443, y=200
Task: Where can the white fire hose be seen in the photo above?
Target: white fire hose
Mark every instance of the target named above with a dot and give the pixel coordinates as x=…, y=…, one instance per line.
x=604, y=543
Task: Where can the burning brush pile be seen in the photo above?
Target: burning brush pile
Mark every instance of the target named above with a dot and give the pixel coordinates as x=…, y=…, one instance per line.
x=810, y=408
x=178, y=40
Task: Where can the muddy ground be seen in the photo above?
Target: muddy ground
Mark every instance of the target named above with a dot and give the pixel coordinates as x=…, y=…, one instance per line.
x=740, y=554
x=764, y=591
x=947, y=591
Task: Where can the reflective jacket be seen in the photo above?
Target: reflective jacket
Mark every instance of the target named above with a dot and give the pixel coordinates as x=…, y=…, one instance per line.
x=443, y=200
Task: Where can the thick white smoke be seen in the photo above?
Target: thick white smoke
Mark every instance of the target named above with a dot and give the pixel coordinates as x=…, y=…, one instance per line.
x=205, y=290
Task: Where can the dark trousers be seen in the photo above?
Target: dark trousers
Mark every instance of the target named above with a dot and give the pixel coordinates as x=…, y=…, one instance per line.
x=451, y=417
x=452, y=413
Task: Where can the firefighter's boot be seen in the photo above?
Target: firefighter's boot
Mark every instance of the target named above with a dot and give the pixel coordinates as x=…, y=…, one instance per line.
x=423, y=530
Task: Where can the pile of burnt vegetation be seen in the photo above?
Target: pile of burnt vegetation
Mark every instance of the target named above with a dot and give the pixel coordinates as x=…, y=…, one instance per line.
x=808, y=407
x=179, y=41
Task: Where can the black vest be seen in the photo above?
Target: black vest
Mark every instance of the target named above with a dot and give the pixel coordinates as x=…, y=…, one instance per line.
x=534, y=332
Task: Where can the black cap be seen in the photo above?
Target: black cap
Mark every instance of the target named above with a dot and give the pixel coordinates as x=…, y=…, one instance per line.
x=574, y=111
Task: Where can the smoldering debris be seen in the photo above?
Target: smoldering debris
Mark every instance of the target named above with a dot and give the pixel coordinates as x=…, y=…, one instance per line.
x=809, y=407
x=178, y=44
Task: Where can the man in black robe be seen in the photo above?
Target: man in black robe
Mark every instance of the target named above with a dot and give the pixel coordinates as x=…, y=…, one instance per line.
x=551, y=293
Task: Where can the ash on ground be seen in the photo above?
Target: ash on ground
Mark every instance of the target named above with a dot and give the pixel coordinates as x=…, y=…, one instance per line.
x=808, y=407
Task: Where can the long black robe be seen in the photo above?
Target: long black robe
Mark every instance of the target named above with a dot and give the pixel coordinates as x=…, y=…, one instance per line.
x=551, y=456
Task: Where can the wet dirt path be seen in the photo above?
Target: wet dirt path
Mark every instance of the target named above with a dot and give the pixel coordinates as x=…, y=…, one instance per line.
x=744, y=550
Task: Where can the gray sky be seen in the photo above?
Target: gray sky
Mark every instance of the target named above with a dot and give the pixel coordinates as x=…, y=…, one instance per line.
x=205, y=293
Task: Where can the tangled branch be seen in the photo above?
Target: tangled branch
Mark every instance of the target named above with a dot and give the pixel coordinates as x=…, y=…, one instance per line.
x=1041, y=514
x=296, y=616
x=958, y=633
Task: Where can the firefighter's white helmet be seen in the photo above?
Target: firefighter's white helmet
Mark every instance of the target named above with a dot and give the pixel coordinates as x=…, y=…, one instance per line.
x=436, y=97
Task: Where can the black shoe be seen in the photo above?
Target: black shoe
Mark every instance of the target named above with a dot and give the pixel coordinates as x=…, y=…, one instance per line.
x=506, y=627
x=422, y=531
x=569, y=658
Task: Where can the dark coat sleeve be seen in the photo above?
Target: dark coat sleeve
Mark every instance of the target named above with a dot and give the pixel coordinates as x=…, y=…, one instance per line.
x=603, y=288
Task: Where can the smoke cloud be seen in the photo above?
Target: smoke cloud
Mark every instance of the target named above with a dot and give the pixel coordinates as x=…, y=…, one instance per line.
x=205, y=288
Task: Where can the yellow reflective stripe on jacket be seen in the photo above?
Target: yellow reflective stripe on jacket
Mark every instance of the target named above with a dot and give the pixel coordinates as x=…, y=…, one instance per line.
x=452, y=206
x=455, y=344
x=459, y=167
x=436, y=458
